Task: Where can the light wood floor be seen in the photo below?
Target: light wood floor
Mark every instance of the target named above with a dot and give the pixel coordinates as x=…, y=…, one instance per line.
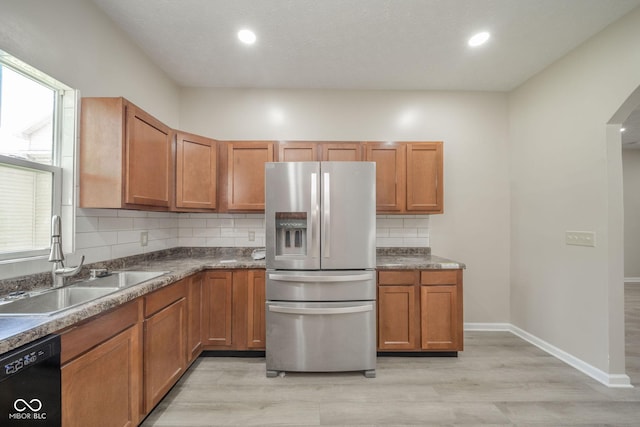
x=499, y=380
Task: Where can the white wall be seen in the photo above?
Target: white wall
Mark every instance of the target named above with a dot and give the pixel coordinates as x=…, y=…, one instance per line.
x=474, y=228
x=565, y=176
x=77, y=44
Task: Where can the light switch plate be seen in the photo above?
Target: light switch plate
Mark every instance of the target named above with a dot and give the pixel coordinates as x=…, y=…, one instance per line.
x=144, y=238
x=580, y=238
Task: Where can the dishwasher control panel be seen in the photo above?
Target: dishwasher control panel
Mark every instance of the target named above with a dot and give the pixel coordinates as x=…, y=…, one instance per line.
x=22, y=359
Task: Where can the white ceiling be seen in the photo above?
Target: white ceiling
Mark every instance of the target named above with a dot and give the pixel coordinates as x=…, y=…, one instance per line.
x=360, y=44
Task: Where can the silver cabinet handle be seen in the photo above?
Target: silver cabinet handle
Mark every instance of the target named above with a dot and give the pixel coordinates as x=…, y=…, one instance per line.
x=306, y=279
x=333, y=310
x=326, y=223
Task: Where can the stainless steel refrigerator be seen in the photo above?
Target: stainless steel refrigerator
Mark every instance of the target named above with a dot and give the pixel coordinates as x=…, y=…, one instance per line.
x=320, y=221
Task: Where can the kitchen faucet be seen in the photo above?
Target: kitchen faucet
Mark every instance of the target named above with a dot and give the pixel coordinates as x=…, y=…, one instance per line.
x=56, y=256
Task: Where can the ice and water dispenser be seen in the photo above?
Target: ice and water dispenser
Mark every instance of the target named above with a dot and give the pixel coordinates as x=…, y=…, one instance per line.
x=291, y=233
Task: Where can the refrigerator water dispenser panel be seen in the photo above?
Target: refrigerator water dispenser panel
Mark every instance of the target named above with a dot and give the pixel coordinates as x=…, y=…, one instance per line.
x=291, y=233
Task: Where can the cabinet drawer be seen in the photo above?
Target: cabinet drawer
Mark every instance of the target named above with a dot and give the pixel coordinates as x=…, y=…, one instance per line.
x=161, y=298
x=407, y=277
x=78, y=339
x=439, y=277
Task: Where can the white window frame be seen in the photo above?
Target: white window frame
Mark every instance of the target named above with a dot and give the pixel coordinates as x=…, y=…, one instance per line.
x=61, y=91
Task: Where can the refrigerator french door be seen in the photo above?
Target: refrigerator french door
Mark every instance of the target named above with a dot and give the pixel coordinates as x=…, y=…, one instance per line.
x=320, y=257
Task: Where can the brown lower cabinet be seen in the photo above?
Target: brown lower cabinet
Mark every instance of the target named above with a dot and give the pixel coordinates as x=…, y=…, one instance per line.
x=102, y=370
x=117, y=366
x=165, y=341
x=233, y=316
x=195, y=309
x=420, y=310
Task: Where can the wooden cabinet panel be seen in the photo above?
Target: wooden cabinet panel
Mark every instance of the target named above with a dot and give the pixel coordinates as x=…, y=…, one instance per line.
x=441, y=310
x=217, y=294
x=256, y=329
x=439, y=277
x=341, y=152
x=439, y=317
x=234, y=310
x=79, y=338
x=164, y=351
x=420, y=310
x=424, y=177
x=390, y=175
x=163, y=297
x=311, y=151
x=148, y=159
x=194, y=317
x=409, y=176
x=196, y=172
x=102, y=387
x=245, y=174
x=126, y=157
x=405, y=277
x=397, y=318
x=297, y=152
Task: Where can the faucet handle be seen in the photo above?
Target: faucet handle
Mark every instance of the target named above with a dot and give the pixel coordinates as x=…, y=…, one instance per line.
x=94, y=273
x=70, y=271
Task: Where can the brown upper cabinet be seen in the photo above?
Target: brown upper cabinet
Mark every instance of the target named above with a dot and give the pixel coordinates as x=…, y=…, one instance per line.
x=409, y=176
x=242, y=174
x=196, y=173
x=126, y=158
x=308, y=151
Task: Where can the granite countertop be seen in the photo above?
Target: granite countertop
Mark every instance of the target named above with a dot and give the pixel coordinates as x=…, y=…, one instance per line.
x=181, y=263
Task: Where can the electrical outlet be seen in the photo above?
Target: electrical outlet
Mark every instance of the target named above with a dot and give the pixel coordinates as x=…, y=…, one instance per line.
x=580, y=238
x=144, y=238
x=252, y=236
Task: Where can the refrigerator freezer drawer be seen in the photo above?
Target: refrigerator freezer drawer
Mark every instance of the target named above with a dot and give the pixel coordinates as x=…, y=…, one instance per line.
x=321, y=337
x=321, y=285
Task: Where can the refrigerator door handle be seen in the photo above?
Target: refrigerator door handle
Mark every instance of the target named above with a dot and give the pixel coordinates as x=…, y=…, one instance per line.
x=314, y=215
x=326, y=217
x=335, y=310
x=307, y=279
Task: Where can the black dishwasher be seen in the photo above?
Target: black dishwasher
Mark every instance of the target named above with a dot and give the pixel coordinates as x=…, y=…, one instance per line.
x=30, y=384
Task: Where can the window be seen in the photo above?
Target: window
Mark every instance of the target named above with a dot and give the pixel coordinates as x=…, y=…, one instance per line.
x=30, y=158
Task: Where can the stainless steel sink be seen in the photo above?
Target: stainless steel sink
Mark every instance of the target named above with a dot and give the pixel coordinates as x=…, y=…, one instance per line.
x=122, y=279
x=59, y=299
x=52, y=301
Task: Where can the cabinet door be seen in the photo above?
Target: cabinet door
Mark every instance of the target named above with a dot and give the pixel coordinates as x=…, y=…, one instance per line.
x=424, y=177
x=217, y=308
x=390, y=175
x=341, y=152
x=194, y=317
x=164, y=351
x=102, y=386
x=439, y=319
x=245, y=174
x=297, y=152
x=148, y=160
x=196, y=172
x=256, y=310
x=397, y=318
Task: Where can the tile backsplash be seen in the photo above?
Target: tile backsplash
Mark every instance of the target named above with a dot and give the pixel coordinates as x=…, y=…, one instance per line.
x=107, y=233
x=103, y=234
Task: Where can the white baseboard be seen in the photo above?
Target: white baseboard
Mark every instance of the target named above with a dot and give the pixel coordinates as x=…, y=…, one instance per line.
x=610, y=380
x=632, y=280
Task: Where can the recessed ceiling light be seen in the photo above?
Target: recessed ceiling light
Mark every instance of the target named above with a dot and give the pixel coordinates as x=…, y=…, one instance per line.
x=247, y=36
x=479, y=39
x=623, y=129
